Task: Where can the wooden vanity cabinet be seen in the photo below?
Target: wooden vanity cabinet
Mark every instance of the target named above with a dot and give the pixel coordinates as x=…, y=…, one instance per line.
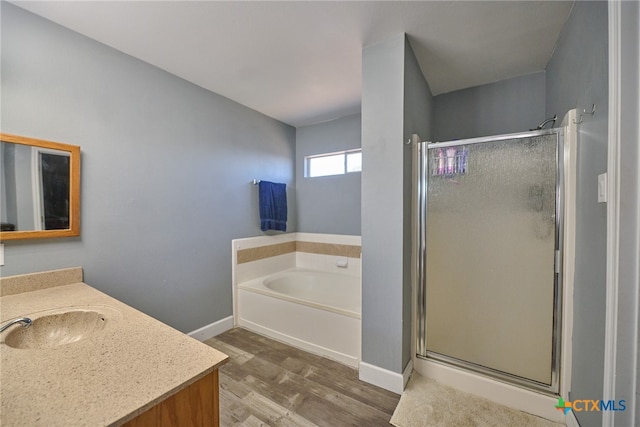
x=196, y=405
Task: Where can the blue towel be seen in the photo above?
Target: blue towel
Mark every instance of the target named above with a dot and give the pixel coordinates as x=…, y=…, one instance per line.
x=273, y=206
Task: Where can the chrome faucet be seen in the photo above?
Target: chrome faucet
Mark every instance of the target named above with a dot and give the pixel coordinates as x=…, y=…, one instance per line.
x=25, y=321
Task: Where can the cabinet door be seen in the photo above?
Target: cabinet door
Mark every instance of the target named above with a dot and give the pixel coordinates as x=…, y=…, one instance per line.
x=195, y=405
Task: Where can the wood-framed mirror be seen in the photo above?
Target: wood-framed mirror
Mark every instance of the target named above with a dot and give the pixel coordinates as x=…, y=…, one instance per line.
x=39, y=188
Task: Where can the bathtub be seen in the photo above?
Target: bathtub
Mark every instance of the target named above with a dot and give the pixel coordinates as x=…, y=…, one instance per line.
x=316, y=311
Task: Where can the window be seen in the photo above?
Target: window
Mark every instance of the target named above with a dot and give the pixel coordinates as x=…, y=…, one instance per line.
x=333, y=163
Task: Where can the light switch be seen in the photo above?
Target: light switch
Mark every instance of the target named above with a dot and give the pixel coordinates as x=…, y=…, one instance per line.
x=602, y=188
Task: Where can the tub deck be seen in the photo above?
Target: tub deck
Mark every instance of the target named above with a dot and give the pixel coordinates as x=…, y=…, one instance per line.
x=339, y=294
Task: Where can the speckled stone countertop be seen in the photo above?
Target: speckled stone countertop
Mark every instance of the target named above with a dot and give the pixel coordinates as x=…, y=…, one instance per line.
x=106, y=379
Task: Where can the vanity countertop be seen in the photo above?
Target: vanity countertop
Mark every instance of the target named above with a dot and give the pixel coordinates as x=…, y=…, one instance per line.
x=106, y=379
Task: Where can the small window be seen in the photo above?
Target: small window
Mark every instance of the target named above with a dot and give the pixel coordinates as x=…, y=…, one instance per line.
x=333, y=163
x=354, y=161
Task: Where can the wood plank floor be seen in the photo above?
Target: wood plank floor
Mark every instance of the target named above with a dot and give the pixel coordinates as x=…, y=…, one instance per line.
x=267, y=383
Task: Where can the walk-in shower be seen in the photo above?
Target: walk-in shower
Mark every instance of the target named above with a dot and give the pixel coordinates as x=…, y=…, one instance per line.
x=489, y=255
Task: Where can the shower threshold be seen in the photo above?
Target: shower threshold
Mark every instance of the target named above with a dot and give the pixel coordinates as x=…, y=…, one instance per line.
x=495, y=374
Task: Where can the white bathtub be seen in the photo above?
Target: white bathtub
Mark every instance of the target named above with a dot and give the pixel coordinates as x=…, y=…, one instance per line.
x=313, y=310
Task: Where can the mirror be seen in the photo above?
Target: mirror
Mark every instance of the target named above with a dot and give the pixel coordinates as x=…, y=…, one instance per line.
x=40, y=188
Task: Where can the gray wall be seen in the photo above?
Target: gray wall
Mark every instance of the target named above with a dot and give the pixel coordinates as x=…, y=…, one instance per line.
x=576, y=77
x=166, y=170
x=418, y=119
x=627, y=358
x=328, y=204
x=382, y=203
x=507, y=106
x=396, y=102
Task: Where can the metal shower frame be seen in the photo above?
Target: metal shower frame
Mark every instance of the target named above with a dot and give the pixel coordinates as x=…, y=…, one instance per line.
x=420, y=236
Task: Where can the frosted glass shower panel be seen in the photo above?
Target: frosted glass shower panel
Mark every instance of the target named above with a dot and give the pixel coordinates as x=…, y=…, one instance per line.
x=490, y=246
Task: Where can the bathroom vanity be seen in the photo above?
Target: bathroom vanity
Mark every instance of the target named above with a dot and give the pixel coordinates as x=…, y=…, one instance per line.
x=90, y=360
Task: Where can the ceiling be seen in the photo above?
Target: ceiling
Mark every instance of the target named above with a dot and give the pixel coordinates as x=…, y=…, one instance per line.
x=300, y=61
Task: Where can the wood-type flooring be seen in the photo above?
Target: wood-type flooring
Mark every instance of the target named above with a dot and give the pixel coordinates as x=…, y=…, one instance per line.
x=268, y=383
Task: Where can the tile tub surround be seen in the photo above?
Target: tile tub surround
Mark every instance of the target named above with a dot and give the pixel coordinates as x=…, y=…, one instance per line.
x=134, y=363
x=261, y=252
x=261, y=256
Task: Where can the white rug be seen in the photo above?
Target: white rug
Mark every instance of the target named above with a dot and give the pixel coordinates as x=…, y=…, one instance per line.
x=427, y=403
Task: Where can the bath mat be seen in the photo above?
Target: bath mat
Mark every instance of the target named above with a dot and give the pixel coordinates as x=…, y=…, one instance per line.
x=427, y=403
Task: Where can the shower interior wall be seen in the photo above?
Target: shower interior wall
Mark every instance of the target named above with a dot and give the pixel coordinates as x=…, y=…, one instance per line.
x=508, y=106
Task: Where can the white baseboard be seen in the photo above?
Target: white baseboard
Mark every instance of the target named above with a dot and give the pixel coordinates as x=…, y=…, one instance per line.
x=384, y=378
x=301, y=344
x=212, y=329
x=406, y=374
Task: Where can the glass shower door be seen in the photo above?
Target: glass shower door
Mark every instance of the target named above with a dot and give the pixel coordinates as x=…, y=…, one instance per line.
x=491, y=252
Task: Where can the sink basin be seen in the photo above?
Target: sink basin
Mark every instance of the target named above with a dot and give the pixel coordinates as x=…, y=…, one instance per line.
x=50, y=330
